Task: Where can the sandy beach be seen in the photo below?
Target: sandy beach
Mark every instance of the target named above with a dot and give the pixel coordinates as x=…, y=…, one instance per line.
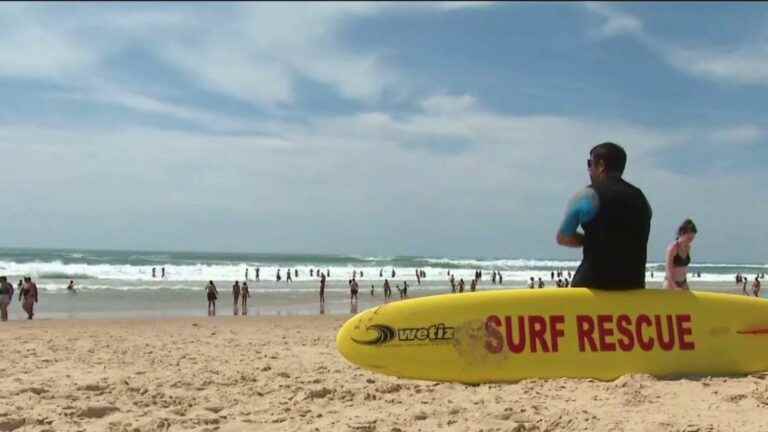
x=284, y=374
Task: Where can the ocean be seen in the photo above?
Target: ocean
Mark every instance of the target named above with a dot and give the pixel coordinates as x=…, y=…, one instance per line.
x=120, y=284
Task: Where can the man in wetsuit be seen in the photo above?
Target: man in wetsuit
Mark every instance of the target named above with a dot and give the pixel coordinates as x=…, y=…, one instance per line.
x=616, y=219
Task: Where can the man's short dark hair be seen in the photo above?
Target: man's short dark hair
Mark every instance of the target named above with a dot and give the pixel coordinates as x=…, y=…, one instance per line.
x=613, y=156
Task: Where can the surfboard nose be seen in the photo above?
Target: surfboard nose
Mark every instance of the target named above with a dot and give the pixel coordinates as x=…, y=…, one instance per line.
x=356, y=337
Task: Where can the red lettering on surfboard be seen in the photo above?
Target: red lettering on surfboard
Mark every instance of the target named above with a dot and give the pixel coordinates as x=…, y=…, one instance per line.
x=626, y=341
x=669, y=343
x=599, y=333
x=683, y=330
x=519, y=346
x=605, y=332
x=556, y=331
x=585, y=326
x=644, y=344
x=494, y=344
x=538, y=327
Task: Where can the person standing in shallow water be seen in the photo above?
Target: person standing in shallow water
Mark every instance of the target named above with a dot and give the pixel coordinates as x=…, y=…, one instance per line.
x=322, y=288
x=29, y=294
x=616, y=220
x=235, y=296
x=244, y=295
x=6, y=293
x=679, y=256
x=211, y=294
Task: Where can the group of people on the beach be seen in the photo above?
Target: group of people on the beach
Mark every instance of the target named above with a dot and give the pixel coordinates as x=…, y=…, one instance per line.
x=28, y=296
x=240, y=296
x=742, y=281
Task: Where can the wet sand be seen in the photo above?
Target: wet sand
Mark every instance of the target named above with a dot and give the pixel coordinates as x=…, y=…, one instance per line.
x=274, y=373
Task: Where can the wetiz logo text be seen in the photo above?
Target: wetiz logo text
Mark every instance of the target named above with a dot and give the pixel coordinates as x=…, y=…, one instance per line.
x=436, y=332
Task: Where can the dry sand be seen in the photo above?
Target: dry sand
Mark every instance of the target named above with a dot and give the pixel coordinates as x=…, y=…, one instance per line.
x=284, y=373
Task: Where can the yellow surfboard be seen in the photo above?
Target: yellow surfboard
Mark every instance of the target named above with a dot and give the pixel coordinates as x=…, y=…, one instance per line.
x=509, y=335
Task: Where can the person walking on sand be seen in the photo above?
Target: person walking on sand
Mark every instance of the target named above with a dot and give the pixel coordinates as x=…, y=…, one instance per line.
x=322, y=288
x=387, y=290
x=616, y=220
x=473, y=285
x=235, y=296
x=756, y=286
x=244, y=295
x=461, y=285
x=679, y=256
x=211, y=294
x=6, y=294
x=453, y=284
x=28, y=295
x=405, y=290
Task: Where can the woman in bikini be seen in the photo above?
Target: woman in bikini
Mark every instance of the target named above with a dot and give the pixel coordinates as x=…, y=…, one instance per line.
x=679, y=256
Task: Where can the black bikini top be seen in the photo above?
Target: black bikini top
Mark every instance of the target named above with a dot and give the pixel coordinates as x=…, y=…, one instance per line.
x=679, y=261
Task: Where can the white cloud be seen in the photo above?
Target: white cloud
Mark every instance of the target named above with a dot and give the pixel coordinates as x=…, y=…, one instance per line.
x=448, y=103
x=743, y=64
x=354, y=176
x=741, y=134
x=747, y=64
x=616, y=22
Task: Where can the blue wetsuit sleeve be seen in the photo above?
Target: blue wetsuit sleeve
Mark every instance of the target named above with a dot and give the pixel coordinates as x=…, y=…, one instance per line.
x=581, y=209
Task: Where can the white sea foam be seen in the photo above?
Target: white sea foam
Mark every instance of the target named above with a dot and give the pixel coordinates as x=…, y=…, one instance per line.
x=511, y=270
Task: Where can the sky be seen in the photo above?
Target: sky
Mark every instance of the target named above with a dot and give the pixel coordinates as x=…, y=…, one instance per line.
x=438, y=128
